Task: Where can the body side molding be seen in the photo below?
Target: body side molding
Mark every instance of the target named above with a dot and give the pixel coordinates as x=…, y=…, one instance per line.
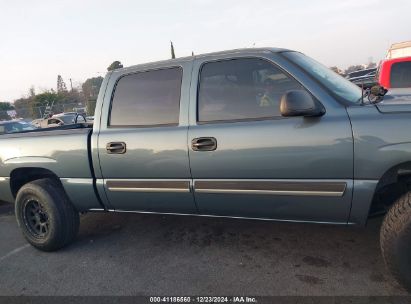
x=131, y=185
x=273, y=187
x=335, y=188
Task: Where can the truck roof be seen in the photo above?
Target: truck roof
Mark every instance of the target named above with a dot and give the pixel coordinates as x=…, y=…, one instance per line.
x=243, y=51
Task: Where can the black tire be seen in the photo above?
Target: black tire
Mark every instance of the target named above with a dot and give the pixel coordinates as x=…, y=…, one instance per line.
x=45, y=215
x=395, y=240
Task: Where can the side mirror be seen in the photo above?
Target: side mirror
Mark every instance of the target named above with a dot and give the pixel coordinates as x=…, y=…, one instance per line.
x=300, y=103
x=376, y=93
x=378, y=90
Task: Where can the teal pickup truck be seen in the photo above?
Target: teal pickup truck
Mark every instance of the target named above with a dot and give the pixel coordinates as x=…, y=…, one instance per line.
x=257, y=133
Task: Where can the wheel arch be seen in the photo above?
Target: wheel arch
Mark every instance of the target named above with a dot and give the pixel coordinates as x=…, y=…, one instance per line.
x=21, y=176
x=392, y=184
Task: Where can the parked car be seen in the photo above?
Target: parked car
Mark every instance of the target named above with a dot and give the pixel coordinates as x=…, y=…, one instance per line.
x=257, y=133
x=71, y=118
x=60, y=120
x=13, y=126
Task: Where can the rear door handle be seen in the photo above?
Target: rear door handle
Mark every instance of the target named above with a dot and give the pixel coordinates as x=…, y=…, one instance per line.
x=204, y=144
x=116, y=148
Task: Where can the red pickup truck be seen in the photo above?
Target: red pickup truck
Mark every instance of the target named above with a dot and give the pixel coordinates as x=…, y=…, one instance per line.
x=395, y=73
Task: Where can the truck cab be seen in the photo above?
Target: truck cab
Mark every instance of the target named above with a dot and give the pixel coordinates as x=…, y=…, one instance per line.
x=180, y=137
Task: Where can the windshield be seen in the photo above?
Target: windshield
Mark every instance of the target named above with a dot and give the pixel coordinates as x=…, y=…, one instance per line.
x=71, y=119
x=337, y=84
x=68, y=119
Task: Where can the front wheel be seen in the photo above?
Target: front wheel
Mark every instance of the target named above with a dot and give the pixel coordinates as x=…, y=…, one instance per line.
x=395, y=240
x=45, y=215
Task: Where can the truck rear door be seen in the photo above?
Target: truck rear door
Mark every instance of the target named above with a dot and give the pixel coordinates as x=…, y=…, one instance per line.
x=142, y=143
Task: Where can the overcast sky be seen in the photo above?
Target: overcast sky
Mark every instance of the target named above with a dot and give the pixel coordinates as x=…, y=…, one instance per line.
x=79, y=38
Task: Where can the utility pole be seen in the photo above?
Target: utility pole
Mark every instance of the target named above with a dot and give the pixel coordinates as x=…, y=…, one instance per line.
x=173, y=55
x=71, y=85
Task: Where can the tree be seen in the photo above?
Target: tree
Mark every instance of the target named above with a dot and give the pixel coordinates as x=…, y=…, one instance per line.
x=114, y=66
x=61, y=85
x=66, y=101
x=45, y=99
x=173, y=54
x=371, y=65
x=90, y=88
x=4, y=107
x=336, y=69
x=23, y=107
x=32, y=92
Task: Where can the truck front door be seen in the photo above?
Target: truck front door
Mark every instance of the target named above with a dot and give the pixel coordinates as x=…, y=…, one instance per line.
x=249, y=161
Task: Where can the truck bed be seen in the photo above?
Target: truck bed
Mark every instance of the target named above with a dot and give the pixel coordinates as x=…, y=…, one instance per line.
x=63, y=151
x=48, y=131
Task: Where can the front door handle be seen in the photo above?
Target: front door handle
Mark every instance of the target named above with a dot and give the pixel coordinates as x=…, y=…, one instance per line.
x=204, y=144
x=116, y=148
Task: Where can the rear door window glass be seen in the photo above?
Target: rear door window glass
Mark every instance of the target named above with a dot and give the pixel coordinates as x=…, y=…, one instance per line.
x=147, y=99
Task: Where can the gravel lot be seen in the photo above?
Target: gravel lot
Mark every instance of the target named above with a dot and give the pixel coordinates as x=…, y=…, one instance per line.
x=132, y=254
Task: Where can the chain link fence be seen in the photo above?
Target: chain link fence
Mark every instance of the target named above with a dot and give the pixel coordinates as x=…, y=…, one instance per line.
x=32, y=113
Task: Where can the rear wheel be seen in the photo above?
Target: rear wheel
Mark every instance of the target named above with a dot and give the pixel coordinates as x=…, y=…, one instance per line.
x=395, y=240
x=45, y=215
